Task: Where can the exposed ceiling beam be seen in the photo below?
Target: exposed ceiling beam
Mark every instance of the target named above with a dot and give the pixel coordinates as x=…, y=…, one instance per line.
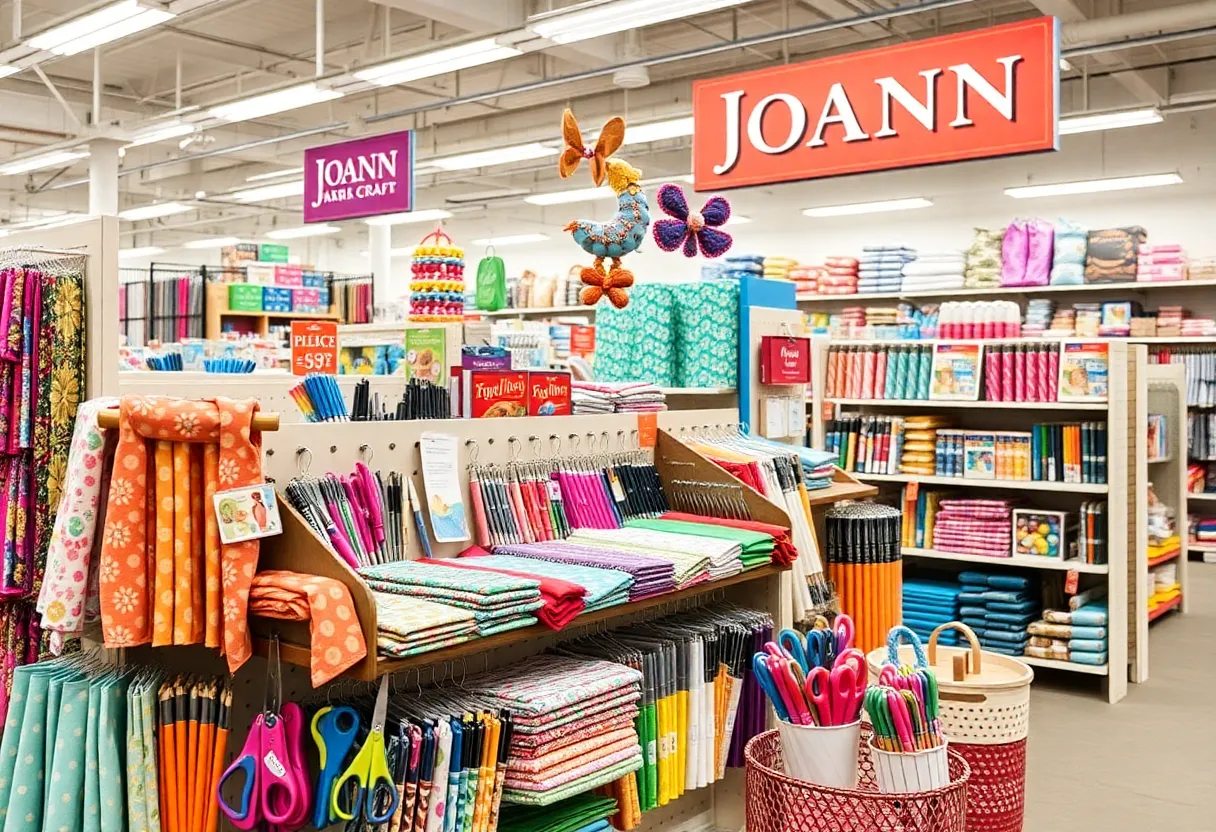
x=1134, y=82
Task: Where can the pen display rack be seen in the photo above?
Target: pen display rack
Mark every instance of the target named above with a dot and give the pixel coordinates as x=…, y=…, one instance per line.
x=1123, y=414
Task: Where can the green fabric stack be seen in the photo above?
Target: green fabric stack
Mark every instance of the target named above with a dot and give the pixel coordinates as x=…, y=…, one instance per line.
x=581, y=813
x=757, y=546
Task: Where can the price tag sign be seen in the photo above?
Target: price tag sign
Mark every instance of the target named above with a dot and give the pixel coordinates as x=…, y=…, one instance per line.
x=648, y=430
x=1070, y=582
x=314, y=347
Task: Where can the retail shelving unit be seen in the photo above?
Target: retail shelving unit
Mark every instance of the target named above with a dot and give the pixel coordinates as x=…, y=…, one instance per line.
x=218, y=311
x=1167, y=396
x=1125, y=491
x=1090, y=289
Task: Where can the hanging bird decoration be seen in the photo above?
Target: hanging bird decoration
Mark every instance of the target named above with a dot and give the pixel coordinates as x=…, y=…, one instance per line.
x=692, y=230
x=625, y=231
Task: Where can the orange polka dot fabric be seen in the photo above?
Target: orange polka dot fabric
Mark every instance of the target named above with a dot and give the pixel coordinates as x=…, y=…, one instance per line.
x=165, y=578
x=337, y=637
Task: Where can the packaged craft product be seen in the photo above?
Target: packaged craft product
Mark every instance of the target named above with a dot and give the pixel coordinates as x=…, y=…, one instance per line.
x=1068, y=262
x=1111, y=254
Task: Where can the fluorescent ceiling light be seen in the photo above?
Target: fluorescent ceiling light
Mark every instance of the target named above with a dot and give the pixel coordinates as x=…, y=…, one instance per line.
x=302, y=231
x=1093, y=186
x=658, y=130
x=511, y=240
x=107, y=24
x=407, y=217
x=274, y=174
x=867, y=207
x=146, y=251
x=151, y=212
x=212, y=242
x=46, y=160
x=282, y=190
x=606, y=18
x=1110, y=121
x=497, y=156
x=269, y=103
x=161, y=132
x=564, y=197
x=437, y=62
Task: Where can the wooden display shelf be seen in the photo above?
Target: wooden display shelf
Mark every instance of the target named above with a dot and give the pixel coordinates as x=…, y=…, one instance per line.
x=970, y=405
x=1027, y=561
x=1166, y=558
x=1161, y=609
x=969, y=482
x=1123, y=287
x=217, y=311
x=1200, y=495
x=1075, y=667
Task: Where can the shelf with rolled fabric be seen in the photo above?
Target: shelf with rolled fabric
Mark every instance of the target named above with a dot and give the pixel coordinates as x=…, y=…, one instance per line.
x=1027, y=561
x=1075, y=667
x=999, y=292
x=1014, y=485
x=971, y=405
x=1161, y=609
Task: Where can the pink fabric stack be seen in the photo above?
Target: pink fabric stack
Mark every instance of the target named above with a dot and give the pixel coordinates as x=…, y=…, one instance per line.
x=1161, y=262
x=841, y=276
x=806, y=279
x=974, y=527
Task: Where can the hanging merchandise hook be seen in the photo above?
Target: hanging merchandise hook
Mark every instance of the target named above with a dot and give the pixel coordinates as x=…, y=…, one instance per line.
x=474, y=450
x=365, y=448
x=302, y=466
x=514, y=447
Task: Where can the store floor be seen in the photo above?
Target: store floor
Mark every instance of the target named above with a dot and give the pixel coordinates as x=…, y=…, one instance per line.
x=1145, y=764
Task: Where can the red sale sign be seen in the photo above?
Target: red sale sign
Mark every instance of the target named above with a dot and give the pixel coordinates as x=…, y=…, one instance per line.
x=314, y=347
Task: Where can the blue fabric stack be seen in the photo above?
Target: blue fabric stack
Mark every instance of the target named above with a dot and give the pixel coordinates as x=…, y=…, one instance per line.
x=882, y=267
x=929, y=604
x=742, y=265
x=999, y=608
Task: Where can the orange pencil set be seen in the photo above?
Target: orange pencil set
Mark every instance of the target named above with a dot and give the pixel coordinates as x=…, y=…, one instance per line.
x=864, y=563
x=192, y=740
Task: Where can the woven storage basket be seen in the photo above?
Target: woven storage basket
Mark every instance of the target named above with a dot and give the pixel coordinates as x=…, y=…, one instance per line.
x=990, y=705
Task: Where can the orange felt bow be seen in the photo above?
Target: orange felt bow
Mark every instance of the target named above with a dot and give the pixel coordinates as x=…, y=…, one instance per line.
x=610, y=139
x=612, y=282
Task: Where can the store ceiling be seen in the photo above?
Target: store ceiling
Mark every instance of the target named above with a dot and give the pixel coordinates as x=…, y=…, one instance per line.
x=232, y=48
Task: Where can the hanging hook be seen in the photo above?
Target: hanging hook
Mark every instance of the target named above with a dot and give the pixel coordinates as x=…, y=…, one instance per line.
x=555, y=445
x=474, y=450
x=515, y=447
x=302, y=466
x=574, y=441
x=370, y=453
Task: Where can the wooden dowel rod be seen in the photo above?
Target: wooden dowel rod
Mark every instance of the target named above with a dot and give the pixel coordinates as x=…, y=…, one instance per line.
x=261, y=421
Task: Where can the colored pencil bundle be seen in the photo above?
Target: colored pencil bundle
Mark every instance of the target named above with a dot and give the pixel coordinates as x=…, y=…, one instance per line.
x=905, y=714
x=192, y=739
x=864, y=563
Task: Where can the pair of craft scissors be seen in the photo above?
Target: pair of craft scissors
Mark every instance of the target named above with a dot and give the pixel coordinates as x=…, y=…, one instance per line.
x=369, y=773
x=845, y=631
x=272, y=760
x=334, y=730
x=835, y=694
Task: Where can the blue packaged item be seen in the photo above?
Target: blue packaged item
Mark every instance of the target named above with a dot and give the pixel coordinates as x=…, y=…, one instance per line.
x=1087, y=645
x=313, y=280
x=276, y=299
x=1082, y=657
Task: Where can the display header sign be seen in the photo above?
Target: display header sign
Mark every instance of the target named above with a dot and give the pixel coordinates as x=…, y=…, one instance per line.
x=314, y=347
x=975, y=95
x=361, y=178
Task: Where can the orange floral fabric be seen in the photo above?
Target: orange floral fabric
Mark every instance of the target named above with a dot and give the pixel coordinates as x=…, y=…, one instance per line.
x=163, y=579
x=337, y=637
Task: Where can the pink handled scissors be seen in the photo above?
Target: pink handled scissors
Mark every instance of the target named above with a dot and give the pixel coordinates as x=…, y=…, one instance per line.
x=835, y=694
x=845, y=631
x=796, y=703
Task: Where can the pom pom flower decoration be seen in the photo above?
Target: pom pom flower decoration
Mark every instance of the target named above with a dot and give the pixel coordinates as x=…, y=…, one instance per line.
x=691, y=230
x=626, y=230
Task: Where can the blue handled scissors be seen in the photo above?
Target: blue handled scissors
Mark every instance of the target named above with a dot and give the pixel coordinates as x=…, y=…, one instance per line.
x=793, y=645
x=765, y=678
x=334, y=731
x=821, y=648
x=370, y=772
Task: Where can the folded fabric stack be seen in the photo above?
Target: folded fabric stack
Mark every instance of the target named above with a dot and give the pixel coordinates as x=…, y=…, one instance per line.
x=851, y=321
x=651, y=575
x=498, y=602
x=983, y=260
x=1204, y=530
x=1063, y=322
x=840, y=277
x=778, y=268
x=1170, y=316
x=998, y=608
x=818, y=467
x=1163, y=585
x=975, y=527
x=929, y=604
x=754, y=548
x=881, y=268
x=806, y=279
x=581, y=813
x=689, y=559
x=782, y=551
x=1198, y=327
x=1039, y=314
x=743, y=265
x=882, y=315
x=592, y=397
x=934, y=271
x=409, y=626
x=1202, y=268
x=1070, y=636
x=1088, y=319
x=919, y=454
x=574, y=725
x=567, y=590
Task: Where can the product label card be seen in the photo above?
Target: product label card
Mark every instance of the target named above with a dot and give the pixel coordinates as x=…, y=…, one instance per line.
x=1084, y=371
x=441, y=478
x=956, y=372
x=426, y=354
x=247, y=513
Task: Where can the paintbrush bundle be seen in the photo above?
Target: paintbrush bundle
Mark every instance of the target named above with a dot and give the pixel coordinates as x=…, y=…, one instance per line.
x=863, y=552
x=574, y=725
x=192, y=728
x=360, y=516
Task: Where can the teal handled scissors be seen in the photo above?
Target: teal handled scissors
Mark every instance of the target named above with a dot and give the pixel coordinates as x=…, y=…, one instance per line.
x=373, y=779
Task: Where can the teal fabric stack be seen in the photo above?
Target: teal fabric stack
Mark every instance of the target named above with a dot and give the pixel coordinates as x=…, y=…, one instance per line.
x=671, y=335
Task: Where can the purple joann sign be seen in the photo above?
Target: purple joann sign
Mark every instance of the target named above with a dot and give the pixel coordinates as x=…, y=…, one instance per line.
x=360, y=178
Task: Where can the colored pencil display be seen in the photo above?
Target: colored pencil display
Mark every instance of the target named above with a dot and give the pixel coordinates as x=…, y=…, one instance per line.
x=865, y=563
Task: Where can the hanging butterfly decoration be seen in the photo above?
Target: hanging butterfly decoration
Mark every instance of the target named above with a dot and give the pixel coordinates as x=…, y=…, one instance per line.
x=622, y=234
x=692, y=230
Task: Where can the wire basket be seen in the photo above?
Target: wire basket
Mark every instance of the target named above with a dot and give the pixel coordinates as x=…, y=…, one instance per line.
x=996, y=792
x=778, y=803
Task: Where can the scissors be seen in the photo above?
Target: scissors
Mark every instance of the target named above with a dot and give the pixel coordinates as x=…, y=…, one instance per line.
x=369, y=770
x=334, y=731
x=845, y=630
x=765, y=678
x=272, y=760
x=793, y=645
x=821, y=648
x=835, y=693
